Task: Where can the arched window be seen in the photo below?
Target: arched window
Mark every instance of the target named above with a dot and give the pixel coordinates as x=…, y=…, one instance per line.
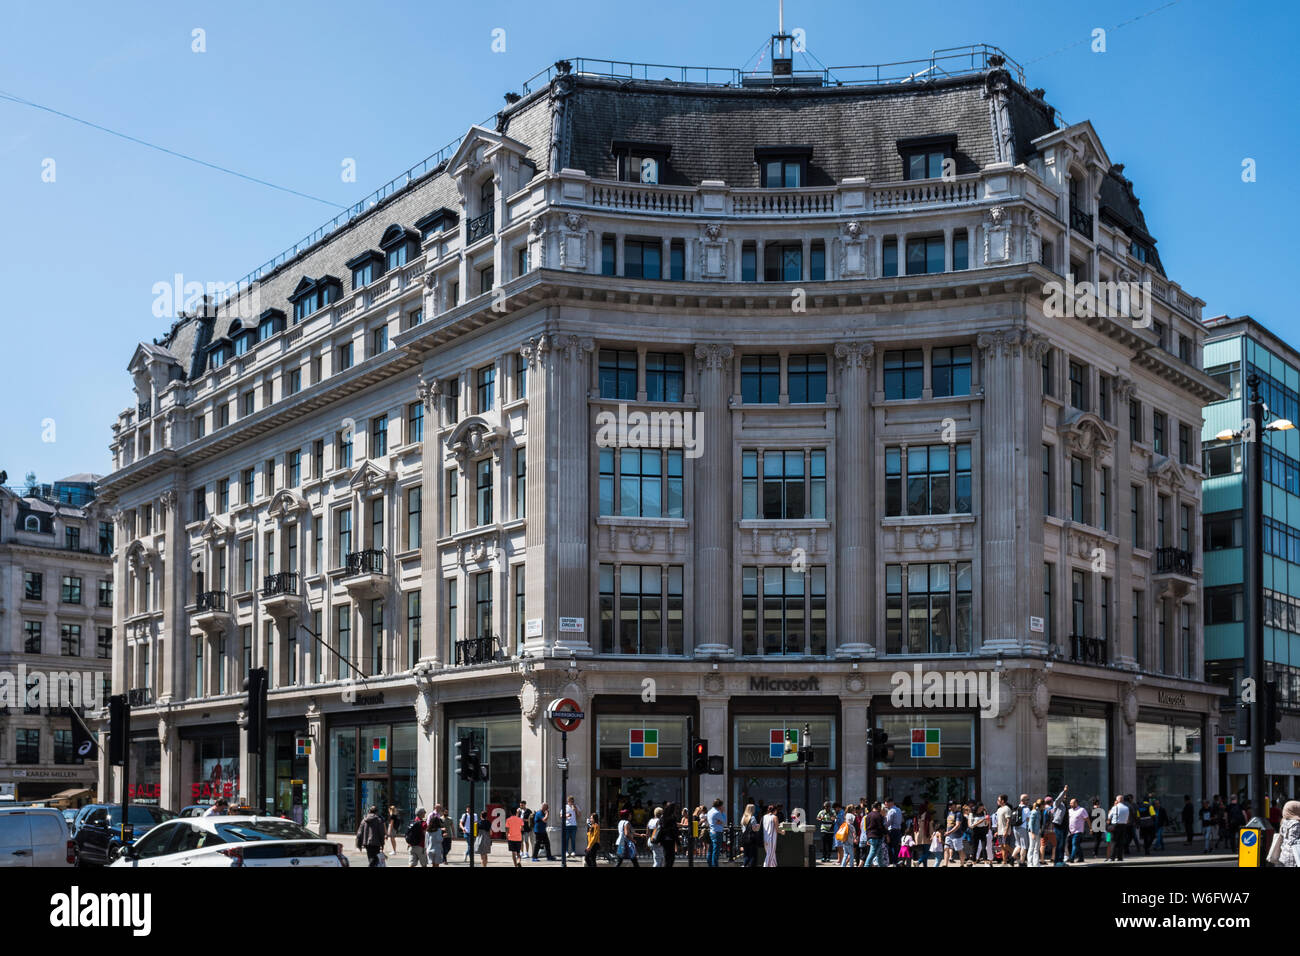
x=32, y=523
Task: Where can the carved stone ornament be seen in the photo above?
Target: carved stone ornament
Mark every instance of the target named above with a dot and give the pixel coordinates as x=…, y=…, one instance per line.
x=430, y=281
x=713, y=357
x=641, y=540
x=574, y=346
x=853, y=355
x=927, y=539
x=162, y=731
x=714, y=684
x=530, y=701
x=1013, y=342
x=852, y=229
x=574, y=222
x=713, y=231
x=1007, y=697
x=783, y=542
x=996, y=214
x=855, y=683
x=537, y=226
x=1130, y=707
x=167, y=501
x=429, y=392
x=1039, y=700
x=534, y=351
x=424, y=707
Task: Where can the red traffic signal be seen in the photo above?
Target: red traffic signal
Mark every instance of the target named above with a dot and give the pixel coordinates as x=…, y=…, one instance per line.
x=700, y=755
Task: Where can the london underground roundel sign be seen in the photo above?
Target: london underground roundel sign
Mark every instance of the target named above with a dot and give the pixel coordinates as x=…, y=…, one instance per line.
x=564, y=714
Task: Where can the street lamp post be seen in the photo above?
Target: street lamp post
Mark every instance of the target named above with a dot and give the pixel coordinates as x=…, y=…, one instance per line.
x=1253, y=583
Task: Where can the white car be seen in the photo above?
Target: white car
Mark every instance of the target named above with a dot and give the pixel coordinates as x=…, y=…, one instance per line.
x=34, y=836
x=231, y=841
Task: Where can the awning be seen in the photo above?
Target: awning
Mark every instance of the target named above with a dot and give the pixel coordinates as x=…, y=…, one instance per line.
x=71, y=794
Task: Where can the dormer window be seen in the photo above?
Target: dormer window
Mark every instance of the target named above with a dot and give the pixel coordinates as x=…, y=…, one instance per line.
x=924, y=157
x=438, y=221
x=240, y=338
x=641, y=162
x=399, y=245
x=1139, y=251
x=32, y=523
x=218, y=355
x=314, y=294
x=782, y=167
x=270, y=322
x=366, y=268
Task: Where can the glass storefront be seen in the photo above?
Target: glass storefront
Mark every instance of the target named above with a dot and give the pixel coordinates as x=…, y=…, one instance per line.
x=640, y=765
x=1078, y=750
x=1169, y=760
x=934, y=758
x=497, y=740
x=761, y=777
x=145, y=782
x=370, y=765
x=288, y=786
x=214, y=770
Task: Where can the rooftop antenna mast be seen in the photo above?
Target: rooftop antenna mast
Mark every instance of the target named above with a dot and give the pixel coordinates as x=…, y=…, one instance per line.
x=782, y=46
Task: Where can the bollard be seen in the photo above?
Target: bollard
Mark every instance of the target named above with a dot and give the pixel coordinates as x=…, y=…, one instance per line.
x=812, y=855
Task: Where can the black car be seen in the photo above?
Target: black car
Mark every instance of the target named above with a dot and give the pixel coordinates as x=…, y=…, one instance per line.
x=97, y=838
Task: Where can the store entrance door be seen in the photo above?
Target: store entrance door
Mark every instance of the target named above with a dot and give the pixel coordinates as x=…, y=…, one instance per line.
x=372, y=792
x=762, y=789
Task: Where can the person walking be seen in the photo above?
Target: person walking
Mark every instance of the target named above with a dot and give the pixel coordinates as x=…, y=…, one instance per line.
x=415, y=840
x=437, y=838
x=751, y=836
x=1132, y=823
x=771, y=827
x=466, y=823
x=526, y=815
x=1060, y=824
x=874, y=831
x=1078, y=823
x=1162, y=822
x=717, y=821
x=570, y=844
x=847, y=837
x=979, y=833
x=1235, y=819
x=863, y=846
x=394, y=827
x=1147, y=825
x=826, y=829
x=515, y=836
x=593, y=839
x=1288, y=835
x=1020, y=814
x=669, y=833
x=1118, y=819
x=955, y=836
x=625, y=845
x=1002, y=827
x=1207, y=826
x=652, y=837
x=484, y=838
x=370, y=835
x=1097, y=823
x=540, y=837
x=893, y=831
x=1035, y=831
x=1189, y=817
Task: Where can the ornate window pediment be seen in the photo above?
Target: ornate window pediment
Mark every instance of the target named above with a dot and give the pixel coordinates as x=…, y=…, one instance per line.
x=1086, y=434
x=368, y=476
x=475, y=437
x=286, y=502
x=213, y=529
x=1168, y=474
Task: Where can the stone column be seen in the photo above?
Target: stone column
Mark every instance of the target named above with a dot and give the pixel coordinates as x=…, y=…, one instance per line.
x=1011, y=582
x=317, y=818
x=713, y=501
x=853, y=773
x=433, y=487
x=1122, y=651
x=854, y=527
x=170, y=659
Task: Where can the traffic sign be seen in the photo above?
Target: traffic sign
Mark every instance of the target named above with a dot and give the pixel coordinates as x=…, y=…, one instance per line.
x=562, y=763
x=564, y=714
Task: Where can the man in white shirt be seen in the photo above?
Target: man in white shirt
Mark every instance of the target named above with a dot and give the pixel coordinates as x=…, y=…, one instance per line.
x=717, y=829
x=1118, y=820
x=1020, y=831
x=570, y=829
x=1002, y=826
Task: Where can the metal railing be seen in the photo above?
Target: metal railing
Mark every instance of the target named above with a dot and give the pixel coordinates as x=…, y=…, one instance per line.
x=1173, y=561
x=143, y=409
x=210, y=601
x=1081, y=222
x=284, y=582
x=369, y=561
x=1088, y=650
x=477, y=650
x=478, y=227
x=139, y=696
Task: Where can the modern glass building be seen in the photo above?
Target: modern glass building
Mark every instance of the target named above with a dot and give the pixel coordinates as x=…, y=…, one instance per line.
x=1238, y=347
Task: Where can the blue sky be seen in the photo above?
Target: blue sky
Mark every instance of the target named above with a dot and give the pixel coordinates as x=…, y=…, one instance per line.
x=287, y=91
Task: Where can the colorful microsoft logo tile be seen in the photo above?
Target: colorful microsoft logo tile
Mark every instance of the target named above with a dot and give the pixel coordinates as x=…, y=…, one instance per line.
x=643, y=743
x=925, y=741
x=1223, y=744
x=302, y=747
x=379, y=750
x=782, y=742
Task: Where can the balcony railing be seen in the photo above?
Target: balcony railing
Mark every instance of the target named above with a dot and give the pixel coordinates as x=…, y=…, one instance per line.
x=370, y=561
x=285, y=582
x=1081, y=221
x=1087, y=650
x=477, y=650
x=139, y=696
x=211, y=601
x=143, y=410
x=476, y=229
x=1173, y=561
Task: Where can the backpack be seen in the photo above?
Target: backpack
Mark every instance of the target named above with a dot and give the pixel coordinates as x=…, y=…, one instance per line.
x=1018, y=817
x=1058, y=814
x=415, y=834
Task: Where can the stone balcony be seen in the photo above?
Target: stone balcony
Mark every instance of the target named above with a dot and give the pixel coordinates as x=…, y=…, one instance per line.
x=211, y=611
x=363, y=573
x=280, y=594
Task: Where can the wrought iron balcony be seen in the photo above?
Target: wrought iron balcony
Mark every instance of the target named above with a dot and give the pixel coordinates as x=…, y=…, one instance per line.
x=285, y=582
x=477, y=650
x=1088, y=650
x=1081, y=221
x=1174, y=561
x=143, y=410
x=477, y=228
x=370, y=561
x=139, y=696
x=210, y=601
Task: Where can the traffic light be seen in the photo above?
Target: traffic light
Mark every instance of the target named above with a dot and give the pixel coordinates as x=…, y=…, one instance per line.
x=715, y=764
x=1272, y=715
x=119, y=729
x=880, y=746
x=465, y=763
x=700, y=755
x=255, y=708
x=482, y=768
x=879, y=738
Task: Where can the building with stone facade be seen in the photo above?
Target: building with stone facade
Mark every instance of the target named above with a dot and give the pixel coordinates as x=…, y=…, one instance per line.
x=1236, y=348
x=56, y=633
x=864, y=438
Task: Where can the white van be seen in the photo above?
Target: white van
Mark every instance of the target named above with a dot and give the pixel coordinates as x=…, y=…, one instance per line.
x=34, y=836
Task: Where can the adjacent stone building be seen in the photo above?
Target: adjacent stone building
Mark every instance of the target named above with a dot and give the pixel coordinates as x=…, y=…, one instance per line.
x=872, y=427
x=56, y=633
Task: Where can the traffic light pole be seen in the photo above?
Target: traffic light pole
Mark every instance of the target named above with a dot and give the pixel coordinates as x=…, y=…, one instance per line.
x=126, y=761
x=1254, y=576
x=564, y=803
x=690, y=790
